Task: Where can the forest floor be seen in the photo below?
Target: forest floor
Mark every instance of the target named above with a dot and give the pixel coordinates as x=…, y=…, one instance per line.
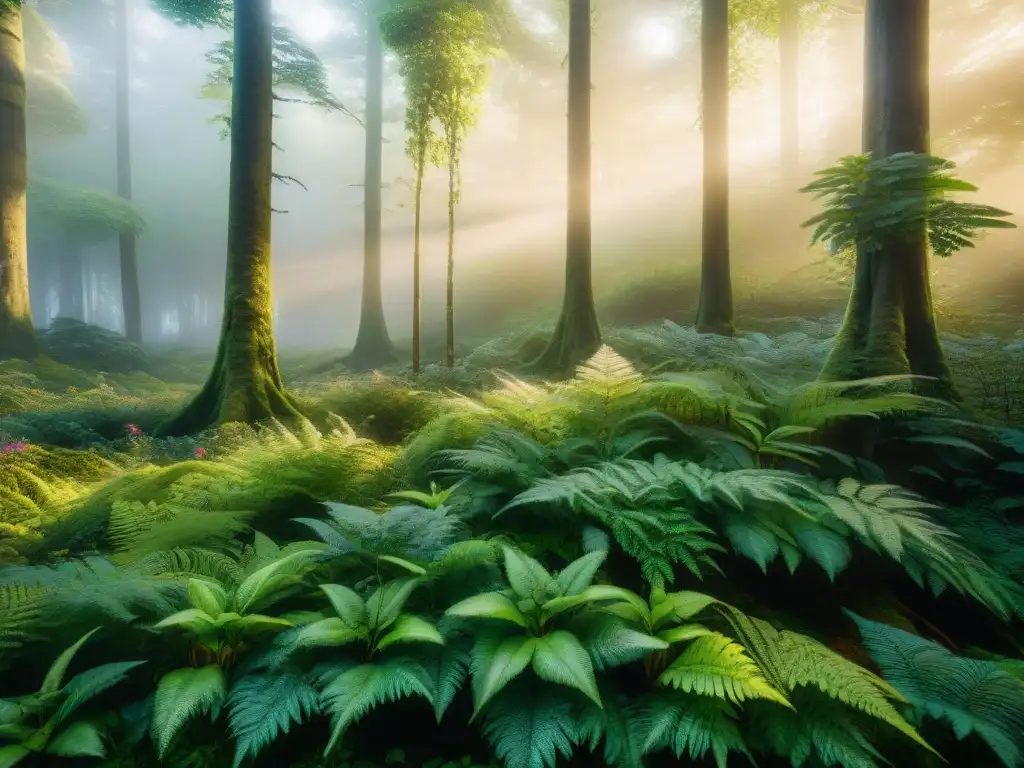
x=81, y=472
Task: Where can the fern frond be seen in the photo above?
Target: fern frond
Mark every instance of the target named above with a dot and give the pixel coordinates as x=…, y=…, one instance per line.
x=974, y=696
x=531, y=725
x=356, y=691
x=182, y=695
x=689, y=726
x=261, y=707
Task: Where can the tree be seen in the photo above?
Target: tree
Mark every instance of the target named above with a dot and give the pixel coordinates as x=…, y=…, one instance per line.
x=17, y=334
x=373, y=346
x=577, y=335
x=245, y=382
x=71, y=216
x=462, y=50
x=889, y=327
x=402, y=29
x=715, y=308
x=131, y=300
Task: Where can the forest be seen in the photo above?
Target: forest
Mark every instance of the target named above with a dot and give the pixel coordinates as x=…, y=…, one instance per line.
x=511, y=383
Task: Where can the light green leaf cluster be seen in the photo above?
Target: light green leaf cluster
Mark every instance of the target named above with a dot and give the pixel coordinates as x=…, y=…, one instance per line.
x=868, y=201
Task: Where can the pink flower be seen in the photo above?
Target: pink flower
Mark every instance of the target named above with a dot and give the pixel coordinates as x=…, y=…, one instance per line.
x=18, y=447
x=200, y=453
x=133, y=430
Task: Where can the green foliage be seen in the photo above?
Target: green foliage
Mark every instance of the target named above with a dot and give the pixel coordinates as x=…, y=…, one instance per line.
x=80, y=212
x=297, y=70
x=49, y=721
x=592, y=495
x=867, y=200
x=974, y=696
x=77, y=344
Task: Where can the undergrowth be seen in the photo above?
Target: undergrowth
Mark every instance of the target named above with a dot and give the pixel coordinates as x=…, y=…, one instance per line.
x=646, y=564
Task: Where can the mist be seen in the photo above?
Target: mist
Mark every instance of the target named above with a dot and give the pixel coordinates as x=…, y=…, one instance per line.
x=511, y=218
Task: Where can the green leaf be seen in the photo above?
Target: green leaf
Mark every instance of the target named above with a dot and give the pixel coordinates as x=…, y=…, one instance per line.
x=714, y=665
x=387, y=602
x=261, y=707
x=526, y=576
x=12, y=754
x=83, y=687
x=209, y=597
x=447, y=671
x=349, y=606
x=259, y=586
x=411, y=567
x=495, y=663
x=79, y=739
x=192, y=619
x=325, y=633
x=182, y=695
x=356, y=691
x=579, y=574
x=594, y=594
x=55, y=674
x=684, y=633
x=559, y=658
x=410, y=629
x=489, y=605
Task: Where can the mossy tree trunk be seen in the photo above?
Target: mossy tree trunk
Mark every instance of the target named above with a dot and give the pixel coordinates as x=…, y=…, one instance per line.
x=131, y=301
x=245, y=383
x=789, y=86
x=577, y=335
x=17, y=335
x=373, y=346
x=714, y=308
x=890, y=328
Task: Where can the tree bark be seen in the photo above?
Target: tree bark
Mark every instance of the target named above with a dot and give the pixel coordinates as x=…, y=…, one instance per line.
x=715, y=309
x=417, y=289
x=890, y=328
x=789, y=85
x=71, y=269
x=373, y=347
x=17, y=334
x=245, y=383
x=131, y=302
x=449, y=306
x=577, y=335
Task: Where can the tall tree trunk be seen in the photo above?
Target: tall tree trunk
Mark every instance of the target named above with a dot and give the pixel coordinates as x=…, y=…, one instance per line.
x=373, y=346
x=130, y=295
x=789, y=85
x=71, y=269
x=715, y=310
x=17, y=335
x=449, y=305
x=417, y=295
x=889, y=328
x=577, y=335
x=245, y=383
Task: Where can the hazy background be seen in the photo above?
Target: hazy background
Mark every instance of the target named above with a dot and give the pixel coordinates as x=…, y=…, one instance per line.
x=509, y=257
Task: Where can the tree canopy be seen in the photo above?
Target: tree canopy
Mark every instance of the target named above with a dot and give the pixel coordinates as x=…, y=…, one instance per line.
x=81, y=212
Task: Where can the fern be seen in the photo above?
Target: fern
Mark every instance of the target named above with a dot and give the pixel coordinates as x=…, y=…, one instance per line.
x=974, y=696
x=531, y=726
x=356, y=691
x=262, y=707
x=689, y=726
x=182, y=695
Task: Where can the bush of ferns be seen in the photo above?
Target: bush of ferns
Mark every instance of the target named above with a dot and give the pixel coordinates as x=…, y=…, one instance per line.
x=621, y=570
